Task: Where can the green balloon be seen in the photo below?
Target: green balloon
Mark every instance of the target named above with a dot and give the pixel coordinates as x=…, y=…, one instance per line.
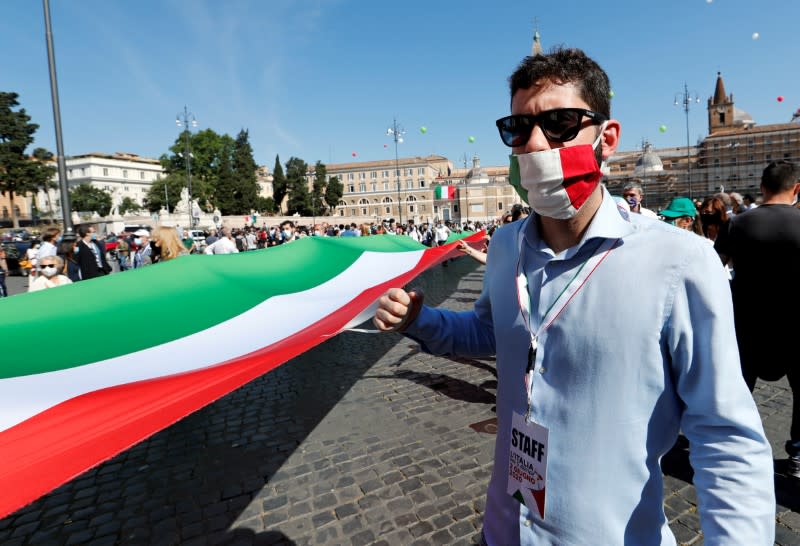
x=423, y=130
x=471, y=139
x=663, y=128
x=611, y=94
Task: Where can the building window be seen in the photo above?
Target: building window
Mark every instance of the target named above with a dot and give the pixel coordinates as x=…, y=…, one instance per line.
x=385, y=186
x=141, y=175
x=751, y=142
x=499, y=205
x=125, y=188
x=435, y=209
x=350, y=176
x=421, y=183
x=362, y=186
x=124, y=173
x=352, y=212
x=69, y=173
x=409, y=184
x=5, y=213
x=351, y=188
x=455, y=208
x=105, y=171
x=768, y=157
x=385, y=174
x=409, y=172
x=373, y=175
x=362, y=176
x=421, y=171
x=374, y=186
x=716, y=162
x=422, y=208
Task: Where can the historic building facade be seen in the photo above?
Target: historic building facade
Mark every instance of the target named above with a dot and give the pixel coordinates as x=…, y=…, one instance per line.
x=731, y=158
x=405, y=189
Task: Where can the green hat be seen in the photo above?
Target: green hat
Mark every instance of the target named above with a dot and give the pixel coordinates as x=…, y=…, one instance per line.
x=679, y=206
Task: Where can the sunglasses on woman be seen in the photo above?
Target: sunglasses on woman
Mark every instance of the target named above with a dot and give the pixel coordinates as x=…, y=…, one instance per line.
x=558, y=125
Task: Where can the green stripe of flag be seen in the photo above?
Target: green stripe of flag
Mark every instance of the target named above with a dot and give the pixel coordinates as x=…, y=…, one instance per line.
x=126, y=312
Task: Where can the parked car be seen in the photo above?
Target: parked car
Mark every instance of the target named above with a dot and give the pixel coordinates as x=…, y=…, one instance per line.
x=199, y=237
x=17, y=235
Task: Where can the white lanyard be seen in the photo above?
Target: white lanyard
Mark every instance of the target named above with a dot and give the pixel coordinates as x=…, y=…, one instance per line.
x=564, y=297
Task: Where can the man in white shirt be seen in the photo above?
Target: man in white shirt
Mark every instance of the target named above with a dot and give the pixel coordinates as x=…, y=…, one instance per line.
x=634, y=194
x=224, y=245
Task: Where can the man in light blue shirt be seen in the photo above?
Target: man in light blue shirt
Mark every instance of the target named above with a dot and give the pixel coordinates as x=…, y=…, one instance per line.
x=593, y=388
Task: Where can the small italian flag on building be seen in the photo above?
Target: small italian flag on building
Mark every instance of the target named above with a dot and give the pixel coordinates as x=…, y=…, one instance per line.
x=445, y=192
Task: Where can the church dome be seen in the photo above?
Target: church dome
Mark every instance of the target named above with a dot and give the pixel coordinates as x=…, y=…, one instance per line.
x=648, y=162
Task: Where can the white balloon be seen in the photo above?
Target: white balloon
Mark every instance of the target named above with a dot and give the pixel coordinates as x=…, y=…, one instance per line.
x=755, y=36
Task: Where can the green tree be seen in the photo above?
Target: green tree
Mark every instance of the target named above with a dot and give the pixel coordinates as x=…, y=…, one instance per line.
x=279, y=188
x=19, y=174
x=128, y=205
x=299, y=198
x=156, y=199
x=244, y=170
x=87, y=198
x=333, y=192
x=206, y=148
x=225, y=193
x=265, y=204
x=318, y=189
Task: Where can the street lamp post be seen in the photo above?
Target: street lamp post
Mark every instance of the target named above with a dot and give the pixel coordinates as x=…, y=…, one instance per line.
x=686, y=99
x=66, y=211
x=466, y=184
x=185, y=119
x=397, y=132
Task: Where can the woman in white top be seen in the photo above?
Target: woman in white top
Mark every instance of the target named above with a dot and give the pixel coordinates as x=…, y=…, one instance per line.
x=50, y=274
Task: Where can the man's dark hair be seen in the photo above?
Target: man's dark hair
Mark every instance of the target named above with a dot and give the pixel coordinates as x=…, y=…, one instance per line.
x=563, y=65
x=50, y=234
x=779, y=176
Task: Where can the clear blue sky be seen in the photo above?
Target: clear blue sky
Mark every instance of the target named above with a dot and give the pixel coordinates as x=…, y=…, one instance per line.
x=322, y=79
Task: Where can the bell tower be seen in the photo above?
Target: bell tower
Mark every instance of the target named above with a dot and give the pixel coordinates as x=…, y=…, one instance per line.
x=720, y=108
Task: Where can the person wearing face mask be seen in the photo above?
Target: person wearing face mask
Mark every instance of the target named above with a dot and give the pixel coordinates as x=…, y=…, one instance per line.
x=593, y=392
x=50, y=274
x=634, y=194
x=143, y=255
x=91, y=254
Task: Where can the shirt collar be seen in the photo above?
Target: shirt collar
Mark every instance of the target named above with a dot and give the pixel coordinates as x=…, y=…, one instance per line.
x=608, y=223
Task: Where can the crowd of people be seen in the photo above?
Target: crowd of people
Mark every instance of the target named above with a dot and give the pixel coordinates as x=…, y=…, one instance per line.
x=594, y=386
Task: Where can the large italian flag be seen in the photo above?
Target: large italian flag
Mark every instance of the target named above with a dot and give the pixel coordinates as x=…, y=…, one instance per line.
x=88, y=370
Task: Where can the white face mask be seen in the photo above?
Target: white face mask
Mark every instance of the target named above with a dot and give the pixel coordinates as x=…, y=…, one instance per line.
x=557, y=182
x=49, y=271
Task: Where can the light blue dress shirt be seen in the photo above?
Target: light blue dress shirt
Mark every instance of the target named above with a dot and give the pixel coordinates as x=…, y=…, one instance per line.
x=645, y=349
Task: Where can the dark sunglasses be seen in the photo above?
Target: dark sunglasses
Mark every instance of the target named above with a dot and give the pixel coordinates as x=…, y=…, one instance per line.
x=559, y=125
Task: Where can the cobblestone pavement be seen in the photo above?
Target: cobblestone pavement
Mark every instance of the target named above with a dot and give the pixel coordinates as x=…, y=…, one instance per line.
x=362, y=440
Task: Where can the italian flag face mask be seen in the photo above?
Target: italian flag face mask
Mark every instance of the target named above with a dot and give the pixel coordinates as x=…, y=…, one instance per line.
x=557, y=182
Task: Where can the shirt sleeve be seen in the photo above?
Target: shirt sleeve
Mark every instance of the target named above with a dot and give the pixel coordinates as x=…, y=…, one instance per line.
x=455, y=333
x=729, y=452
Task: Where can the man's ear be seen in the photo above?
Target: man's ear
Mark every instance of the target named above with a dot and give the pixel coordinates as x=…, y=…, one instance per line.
x=610, y=139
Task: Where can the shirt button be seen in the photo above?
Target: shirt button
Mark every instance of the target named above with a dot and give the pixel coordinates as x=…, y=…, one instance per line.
x=526, y=523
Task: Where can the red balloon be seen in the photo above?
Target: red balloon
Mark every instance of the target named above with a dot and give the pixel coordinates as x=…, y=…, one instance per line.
x=780, y=98
x=354, y=154
x=385, y=145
